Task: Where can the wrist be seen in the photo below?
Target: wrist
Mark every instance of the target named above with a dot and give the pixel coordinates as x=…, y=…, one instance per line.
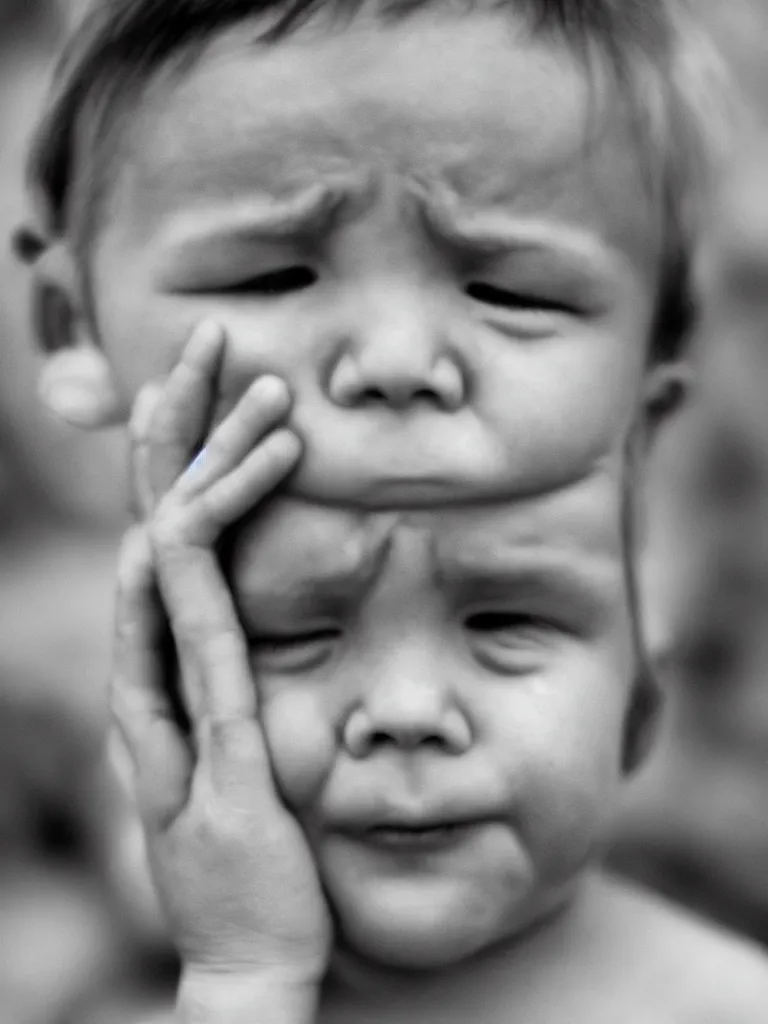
x=266, y=996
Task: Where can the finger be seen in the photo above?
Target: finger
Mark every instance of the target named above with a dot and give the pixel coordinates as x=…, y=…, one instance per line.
x=243, y=489
x=141, y=707
x=207, y=630
x=119, y=763
x=264, y=403
x=234, y=765
x=137, y=690
x=179, y=422
x=141, y=497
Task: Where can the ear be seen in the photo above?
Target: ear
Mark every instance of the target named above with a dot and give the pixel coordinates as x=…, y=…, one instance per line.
x=76, y=382
x=641, y=722
x=667, y=386
x=646, y=697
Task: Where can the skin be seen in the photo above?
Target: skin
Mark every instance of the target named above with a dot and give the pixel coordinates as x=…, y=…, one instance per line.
x=430, y=666
x=403, y=185
x=219, y=837
x=426, y=403
x=396, y=190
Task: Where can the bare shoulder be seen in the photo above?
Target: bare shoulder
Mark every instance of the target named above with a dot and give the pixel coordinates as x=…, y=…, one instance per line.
x=699, y=973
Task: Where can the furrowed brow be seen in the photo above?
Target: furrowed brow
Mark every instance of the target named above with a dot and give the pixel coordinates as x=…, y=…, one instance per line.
x=495, y=232
x=321, y=588
x=309, y=212
x=580, y=578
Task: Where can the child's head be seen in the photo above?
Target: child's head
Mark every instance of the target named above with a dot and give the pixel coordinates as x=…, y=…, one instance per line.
x=462, y=673
x=459, y=231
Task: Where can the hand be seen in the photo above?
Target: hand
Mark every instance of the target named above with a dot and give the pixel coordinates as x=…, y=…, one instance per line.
x=231, y=865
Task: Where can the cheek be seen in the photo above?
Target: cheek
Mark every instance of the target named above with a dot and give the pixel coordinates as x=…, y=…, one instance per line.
x=142, y=337
x=563, y=763
x=302, y=741
x=144, y=330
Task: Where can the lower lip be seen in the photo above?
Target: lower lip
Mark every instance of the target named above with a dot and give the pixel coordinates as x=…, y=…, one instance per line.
x=408, y=840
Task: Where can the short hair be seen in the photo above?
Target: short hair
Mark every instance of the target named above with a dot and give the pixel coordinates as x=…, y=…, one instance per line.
x=668, y=76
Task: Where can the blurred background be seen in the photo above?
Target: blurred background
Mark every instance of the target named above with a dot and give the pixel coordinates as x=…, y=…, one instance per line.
x=80, y=935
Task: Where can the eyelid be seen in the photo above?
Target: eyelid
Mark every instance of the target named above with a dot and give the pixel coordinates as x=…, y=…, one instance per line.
x=294, y=652
x=318, y=635
x=282, y=281
x=519, y=300
x=493, y=620
x=273, y=283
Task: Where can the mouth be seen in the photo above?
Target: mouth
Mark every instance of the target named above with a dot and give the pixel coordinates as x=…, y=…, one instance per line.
x=414, y=837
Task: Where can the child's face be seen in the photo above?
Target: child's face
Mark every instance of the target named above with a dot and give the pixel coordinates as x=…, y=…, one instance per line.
x=443, y=693
x=407, y=224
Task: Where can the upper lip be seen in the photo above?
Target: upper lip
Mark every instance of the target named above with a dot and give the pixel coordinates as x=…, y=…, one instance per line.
x=407, y=819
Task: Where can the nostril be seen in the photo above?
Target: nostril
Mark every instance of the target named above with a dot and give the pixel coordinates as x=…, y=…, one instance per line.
x=400, y=398
x=380, y=739
x=358, y=380
x=375, y=396
x=405, y=739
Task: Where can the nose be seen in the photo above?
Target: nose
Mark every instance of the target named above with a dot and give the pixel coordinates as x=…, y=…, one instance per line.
x=409, y=711
x=399, y=357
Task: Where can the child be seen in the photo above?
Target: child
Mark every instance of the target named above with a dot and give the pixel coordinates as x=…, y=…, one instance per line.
x=460, y=234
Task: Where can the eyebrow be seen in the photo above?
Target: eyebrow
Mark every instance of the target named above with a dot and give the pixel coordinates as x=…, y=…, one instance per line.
x=308, y=212
x=328, y=589
x=494, y=232
x=525, y=571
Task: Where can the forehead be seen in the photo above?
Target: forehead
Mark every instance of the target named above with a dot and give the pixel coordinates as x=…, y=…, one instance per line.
x=471, y=103
x=295, y=549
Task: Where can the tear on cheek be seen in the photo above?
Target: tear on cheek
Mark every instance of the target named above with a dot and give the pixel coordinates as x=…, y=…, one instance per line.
x=301, y=742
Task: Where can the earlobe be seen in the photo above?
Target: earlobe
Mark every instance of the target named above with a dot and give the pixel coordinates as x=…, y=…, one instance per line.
x=77, y=386
x=76, y=382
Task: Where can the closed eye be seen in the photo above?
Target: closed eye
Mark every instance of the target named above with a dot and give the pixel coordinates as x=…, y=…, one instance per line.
x=274, y=283
x=294, y=653
x=499, y=622
x=510, y=642
x=492, y=295
x=278, y=643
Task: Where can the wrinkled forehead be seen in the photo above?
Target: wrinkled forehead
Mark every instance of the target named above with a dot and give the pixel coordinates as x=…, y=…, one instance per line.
x=473, y=103
x=294, y=547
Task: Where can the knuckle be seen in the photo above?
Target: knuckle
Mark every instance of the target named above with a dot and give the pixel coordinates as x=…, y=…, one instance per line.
x=237, y=739
x=168, y=526
x=132, y=558
x=164, y=426
x=119, y=715
x=211, y=509
x=222, y=644
x=207, y=507
x=180, y=523
x=144, y=410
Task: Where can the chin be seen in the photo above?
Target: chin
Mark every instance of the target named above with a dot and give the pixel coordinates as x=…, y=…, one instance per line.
x=418, y=930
